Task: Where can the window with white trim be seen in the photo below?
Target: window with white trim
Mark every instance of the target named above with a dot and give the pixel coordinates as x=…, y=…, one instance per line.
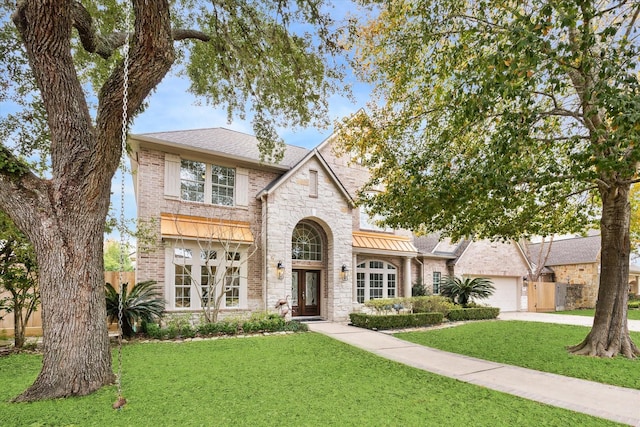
x=199, y=280
x=207, y=183
x=306, y=243
x=436, y=282
x=376, y=279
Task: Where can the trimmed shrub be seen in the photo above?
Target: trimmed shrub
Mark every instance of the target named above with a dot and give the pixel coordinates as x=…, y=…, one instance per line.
x=394, y=321
x=432, y=304
x=263, y=322
x=386, y=305
x=295, y=326
x=477, y=313
x=634, y=304
x=154, y=331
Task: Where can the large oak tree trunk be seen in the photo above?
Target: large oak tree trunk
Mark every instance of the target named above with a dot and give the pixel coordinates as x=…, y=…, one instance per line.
x=609, y=335
x=77, y=357
x=64, y=216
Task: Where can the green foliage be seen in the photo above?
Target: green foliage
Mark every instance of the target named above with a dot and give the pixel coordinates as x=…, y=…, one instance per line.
x=432, y=303
x=144, y=303
x=394, y=321
x=634, y=304
x=179, y=327
x=477, y=313
x=386, y=305
x=112, y=254
x=462, y=291
x=418, y=289
x=263, y=322
x=496, y=120
x=18, y=277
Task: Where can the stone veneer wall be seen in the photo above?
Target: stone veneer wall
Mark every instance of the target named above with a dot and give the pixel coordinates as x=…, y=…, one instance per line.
x=583, y=280
x=291, y=203
x=151, y=202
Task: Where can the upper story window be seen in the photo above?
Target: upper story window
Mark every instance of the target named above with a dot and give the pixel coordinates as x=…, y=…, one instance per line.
x=306, y=243
x=192, y=180
x=367, y=222
x=206, y=183
x=370, y=222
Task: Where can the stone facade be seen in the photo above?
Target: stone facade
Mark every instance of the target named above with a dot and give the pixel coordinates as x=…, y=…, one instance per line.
x=582, y=282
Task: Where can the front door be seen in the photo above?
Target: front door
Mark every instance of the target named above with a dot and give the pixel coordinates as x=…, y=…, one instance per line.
x=305, y=293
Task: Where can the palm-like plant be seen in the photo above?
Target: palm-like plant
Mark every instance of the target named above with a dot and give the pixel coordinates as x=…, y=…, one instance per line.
x=143, y=303
x=462, y=290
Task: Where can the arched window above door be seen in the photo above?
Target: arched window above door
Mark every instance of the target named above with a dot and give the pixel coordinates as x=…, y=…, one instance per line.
x=306, y=243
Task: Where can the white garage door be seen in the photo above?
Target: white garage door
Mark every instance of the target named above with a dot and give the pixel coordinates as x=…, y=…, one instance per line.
x=506, y=295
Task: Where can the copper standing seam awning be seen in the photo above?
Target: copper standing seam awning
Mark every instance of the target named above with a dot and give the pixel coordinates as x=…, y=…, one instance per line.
x=376, y=242
x=195, y=227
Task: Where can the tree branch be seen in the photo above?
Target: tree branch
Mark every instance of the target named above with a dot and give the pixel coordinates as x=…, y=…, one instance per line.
x=22, y=194
x=94, y=42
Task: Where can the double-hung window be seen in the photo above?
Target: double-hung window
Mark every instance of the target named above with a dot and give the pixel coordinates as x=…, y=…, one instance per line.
x=207, y=183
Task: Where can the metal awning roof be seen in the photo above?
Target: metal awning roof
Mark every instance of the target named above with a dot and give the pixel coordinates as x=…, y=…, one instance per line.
x=364, y=241
x=195, y=227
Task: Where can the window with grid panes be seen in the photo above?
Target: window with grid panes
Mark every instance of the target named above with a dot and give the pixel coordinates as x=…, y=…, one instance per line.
x=376, y=279
x=436, y=282
x=196, y=177
x=198, y=280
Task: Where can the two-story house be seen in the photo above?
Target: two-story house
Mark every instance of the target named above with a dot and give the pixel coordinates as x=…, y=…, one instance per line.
x=272, y=231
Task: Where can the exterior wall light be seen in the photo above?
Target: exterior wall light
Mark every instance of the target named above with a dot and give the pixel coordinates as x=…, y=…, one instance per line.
x=280, y=270
x=344, y=273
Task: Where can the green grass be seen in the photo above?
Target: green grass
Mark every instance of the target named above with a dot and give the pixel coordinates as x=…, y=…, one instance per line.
x=301, y=379
x=540, y=346
x=590, y=312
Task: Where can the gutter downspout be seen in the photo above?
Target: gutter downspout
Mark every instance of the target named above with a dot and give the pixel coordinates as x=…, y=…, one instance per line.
x=421, y=275
x=265, y=207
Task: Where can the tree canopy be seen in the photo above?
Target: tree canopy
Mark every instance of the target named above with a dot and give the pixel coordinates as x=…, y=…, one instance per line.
x=497, y=118
x=502, y=119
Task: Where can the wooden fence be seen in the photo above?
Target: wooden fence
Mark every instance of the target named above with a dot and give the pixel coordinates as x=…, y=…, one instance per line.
x=34, y=325
x=546, y=296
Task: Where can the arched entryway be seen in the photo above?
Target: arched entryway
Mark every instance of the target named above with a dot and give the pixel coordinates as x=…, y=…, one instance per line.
x=308, y=268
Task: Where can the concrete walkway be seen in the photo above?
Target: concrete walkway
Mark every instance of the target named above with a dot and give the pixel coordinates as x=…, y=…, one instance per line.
x=600, y=400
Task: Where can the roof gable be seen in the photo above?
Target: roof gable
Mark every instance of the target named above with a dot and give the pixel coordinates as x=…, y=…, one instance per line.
x=312, y=154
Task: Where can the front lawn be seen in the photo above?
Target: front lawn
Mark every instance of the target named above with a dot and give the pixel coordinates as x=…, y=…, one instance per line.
x=303, y=379
x=632, y=314
x=540, y=346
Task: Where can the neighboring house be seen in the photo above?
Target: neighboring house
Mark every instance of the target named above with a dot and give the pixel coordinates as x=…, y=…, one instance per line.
x=289, y=229
x=503, y=263
x=575, y=262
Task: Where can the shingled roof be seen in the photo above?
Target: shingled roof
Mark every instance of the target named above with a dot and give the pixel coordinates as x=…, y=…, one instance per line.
x=432, y=244
x=223, y=142
x=580, y=250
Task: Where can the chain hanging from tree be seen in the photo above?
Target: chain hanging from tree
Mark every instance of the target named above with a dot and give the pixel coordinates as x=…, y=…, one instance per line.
x=121, y=401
